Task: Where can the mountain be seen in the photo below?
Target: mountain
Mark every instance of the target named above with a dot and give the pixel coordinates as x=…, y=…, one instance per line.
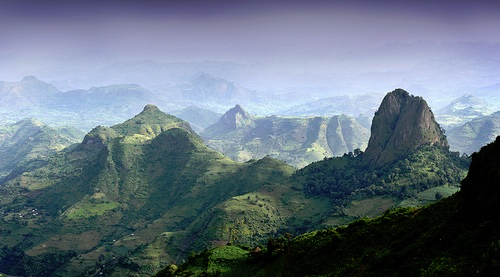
x=206, y=87
x=234, y=119
x=82, y=109
x=127, y=200
x=335, y=191
x=28, y=92
x=471, y=136
x=351, y=105
x=457, y=236
x=213, y=92
x=402, y=123
x=463, y=109
x=153, y=74
x=102, y=105
x=136, y=196
x=296, y=140
x=29, y=143
x=112, y=96
x=198, y=118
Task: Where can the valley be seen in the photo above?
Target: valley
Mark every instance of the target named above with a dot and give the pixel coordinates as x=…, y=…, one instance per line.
x=249, y=138
x=139, y=195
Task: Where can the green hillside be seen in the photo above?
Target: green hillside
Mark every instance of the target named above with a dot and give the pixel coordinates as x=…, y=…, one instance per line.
x=116, y=198
x=135, y=197
x=458, y=236
x=27, y=144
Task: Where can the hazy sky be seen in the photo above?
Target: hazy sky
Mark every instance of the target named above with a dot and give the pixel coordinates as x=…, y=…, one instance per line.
x=35, y=33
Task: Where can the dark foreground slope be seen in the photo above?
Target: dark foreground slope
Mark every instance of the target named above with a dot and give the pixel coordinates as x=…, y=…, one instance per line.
x=458, y=236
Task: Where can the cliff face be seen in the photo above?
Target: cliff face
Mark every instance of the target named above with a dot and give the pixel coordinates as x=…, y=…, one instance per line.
x=234, y=119
x=402, y=123
x=297, y=140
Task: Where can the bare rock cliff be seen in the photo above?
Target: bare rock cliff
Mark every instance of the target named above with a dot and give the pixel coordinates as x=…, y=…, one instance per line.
x=402, y=123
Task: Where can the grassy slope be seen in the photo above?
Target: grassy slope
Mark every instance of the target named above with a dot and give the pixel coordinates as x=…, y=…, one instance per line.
x=458, y=236
x=120, y=196
x=168, y=187
x=29, y=143
x=429, y=241
x=296, y=140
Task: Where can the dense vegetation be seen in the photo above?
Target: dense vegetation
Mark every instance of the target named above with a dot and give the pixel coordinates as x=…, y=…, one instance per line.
x=129, y=198
x=458, y=236
x=28, y=144
x=136, y=196
x=347, y=178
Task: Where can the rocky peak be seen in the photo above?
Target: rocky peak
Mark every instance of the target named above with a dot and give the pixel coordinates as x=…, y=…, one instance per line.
x=402, y=123
x=236, y=118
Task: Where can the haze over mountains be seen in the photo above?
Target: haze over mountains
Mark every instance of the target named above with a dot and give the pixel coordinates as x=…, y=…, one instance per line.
x=440, y=72
x=135, y=196
x=249, y=138
x=213, y=96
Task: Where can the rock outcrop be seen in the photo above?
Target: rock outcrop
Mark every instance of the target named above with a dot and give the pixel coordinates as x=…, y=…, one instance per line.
x=402, y=123
x=234, y=119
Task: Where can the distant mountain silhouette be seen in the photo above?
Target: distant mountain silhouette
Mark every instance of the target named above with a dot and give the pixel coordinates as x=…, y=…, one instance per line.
x=463, y=109
x=474, y=134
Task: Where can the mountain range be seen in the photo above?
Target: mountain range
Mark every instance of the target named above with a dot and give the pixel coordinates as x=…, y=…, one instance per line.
x=471, y=136
x=458, y=236
x=136, y=196
x=439, y=72
x=120, y=189
x=29, y=143
x=110, y=104
x=463, y=109
x=82, y=109
x=351, y=105
x=296, y=140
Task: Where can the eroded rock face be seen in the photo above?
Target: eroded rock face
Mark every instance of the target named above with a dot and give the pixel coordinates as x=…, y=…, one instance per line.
x=236, y=118
x=402, y=123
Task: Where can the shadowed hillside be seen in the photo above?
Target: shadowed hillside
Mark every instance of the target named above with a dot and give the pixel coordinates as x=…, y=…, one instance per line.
x=458, y=236
x=119, y=195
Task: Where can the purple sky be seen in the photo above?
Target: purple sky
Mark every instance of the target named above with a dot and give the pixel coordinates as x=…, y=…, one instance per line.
x=38, y=33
